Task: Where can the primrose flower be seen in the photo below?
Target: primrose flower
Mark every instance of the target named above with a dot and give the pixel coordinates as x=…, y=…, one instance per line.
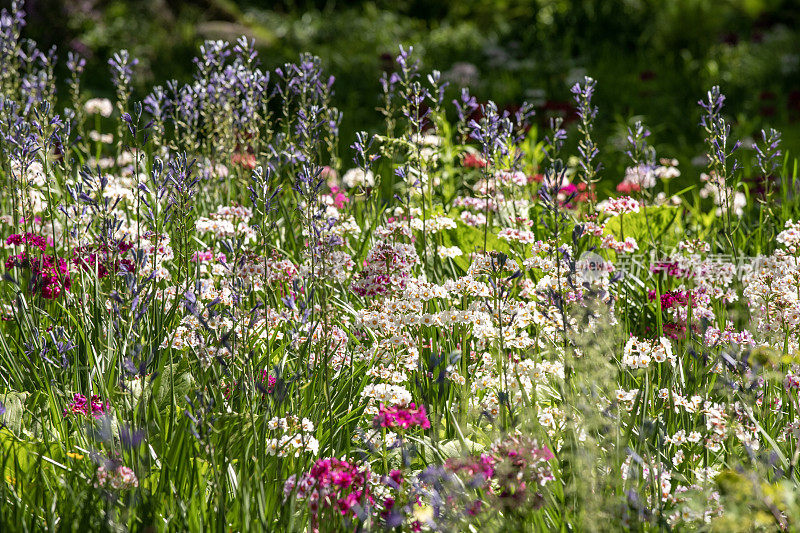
x=332, y=483
x=638, y=353
x=619, y=206
x=119, y=478
x=82, y=405
x=402, y=417
x=790, y=237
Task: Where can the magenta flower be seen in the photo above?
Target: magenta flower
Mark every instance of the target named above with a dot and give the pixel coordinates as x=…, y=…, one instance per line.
x=332, y=483
x=394, y=417
x=82, y=405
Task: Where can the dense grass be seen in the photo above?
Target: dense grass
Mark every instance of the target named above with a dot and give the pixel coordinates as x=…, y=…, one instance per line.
x=215, y=317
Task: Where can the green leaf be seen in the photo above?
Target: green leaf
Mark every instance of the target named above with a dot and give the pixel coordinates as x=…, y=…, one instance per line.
x=162, y=387
x=664, y=226
x=470, y=239
x=454, y=448
x=14, y=403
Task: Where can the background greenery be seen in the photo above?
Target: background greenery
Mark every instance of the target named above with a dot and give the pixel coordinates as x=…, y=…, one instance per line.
x=653, y=59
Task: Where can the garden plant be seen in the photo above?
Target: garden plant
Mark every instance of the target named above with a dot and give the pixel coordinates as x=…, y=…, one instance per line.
x=217, y=318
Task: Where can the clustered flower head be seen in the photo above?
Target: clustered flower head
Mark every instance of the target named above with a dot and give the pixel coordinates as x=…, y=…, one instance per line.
x=477, y=470
x=629, y=245
x=619, y=206
x=332, y=483
x=296, y=437
x=81, y=405
x=387, y=269
x=670, y=299
x=117, y=478
x=104, y=259
x=520, y=469
x=338, y=197
x=790, y=237
x=395, y=417
x=356, y=177
x=473, y=161
x=638, y=353
x=386, y=393
x=646, y=176
x=512, y=473
x=99, y=106
x=50, y=275
x=268, y=381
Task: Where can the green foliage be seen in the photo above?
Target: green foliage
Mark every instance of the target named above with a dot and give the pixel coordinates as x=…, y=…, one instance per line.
x=14, y=403
x=198, y=367
x=651, y=227
x=471, y=239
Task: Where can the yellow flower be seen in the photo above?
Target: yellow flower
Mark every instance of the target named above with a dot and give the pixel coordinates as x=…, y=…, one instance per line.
x=423, y=513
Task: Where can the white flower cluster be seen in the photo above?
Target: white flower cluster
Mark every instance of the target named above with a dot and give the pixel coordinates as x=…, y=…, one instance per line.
x=516, y=235
x=790, y=237
x=638, y=353
x=488, y=263
x=101, y=106
x=228, y=221
x=32, y=174
x=102, y=138
x=357, y=177
x=297, y=436
x=384, y=393
x=433, y=224
x=724, y=197
x=629, y=245
x=450, y=252
x=647, y=176
x=772, y=292
x=518, y=177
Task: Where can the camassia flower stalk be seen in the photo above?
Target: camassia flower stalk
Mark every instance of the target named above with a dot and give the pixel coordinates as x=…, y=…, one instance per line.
x=11, y=24
x=121, y=64
x=768, y=155
x=723, y=172
x=587, y=148
x=493, y=133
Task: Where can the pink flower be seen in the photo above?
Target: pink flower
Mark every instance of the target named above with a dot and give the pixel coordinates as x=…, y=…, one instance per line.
x=474, y=161
x=402, y=417
x=619, y=206
x=628, y=187
x=119, y=478
x=82, y=405
x=339, y=198
x=50, y=275
x=333, y=483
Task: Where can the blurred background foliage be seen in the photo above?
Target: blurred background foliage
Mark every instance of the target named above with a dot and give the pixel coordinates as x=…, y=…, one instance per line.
x=653, y=59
